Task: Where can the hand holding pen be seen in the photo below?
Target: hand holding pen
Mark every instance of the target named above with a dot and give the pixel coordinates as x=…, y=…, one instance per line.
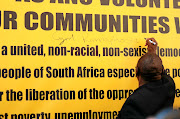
x=152, y=45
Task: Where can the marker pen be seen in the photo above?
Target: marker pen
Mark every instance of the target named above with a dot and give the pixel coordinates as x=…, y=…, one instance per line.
x=151, y=42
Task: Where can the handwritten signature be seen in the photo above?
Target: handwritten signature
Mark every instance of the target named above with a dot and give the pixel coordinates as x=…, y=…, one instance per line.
x=62, y=40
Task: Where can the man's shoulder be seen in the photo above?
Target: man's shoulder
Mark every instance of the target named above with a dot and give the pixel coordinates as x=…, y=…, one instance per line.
x=130, y=110
x=156, y=88
x=151, y=96
x=168, y=81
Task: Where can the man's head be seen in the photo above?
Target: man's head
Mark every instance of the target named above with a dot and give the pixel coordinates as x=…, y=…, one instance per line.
x=149, y=67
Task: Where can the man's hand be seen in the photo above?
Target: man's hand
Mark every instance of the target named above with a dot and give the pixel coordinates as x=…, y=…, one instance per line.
x=151, y=47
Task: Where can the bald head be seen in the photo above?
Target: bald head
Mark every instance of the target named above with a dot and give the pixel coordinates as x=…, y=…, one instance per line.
x=149, y=67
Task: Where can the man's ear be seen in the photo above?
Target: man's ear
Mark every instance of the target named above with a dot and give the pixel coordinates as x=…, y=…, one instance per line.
x=137, y=71
x=163, y=71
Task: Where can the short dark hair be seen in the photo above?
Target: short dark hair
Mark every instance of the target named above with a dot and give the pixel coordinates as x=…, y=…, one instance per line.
x=150, y=67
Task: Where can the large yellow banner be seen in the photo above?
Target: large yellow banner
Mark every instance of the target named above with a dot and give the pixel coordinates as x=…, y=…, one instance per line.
x=76, y=59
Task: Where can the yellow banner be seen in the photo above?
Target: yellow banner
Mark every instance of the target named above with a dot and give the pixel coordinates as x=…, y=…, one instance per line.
x=65, y=58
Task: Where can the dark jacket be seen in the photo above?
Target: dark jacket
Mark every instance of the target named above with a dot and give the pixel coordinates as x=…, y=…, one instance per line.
x=149, y=99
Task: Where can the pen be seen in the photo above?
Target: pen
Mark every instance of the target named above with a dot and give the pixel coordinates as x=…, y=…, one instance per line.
x=151, y=42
